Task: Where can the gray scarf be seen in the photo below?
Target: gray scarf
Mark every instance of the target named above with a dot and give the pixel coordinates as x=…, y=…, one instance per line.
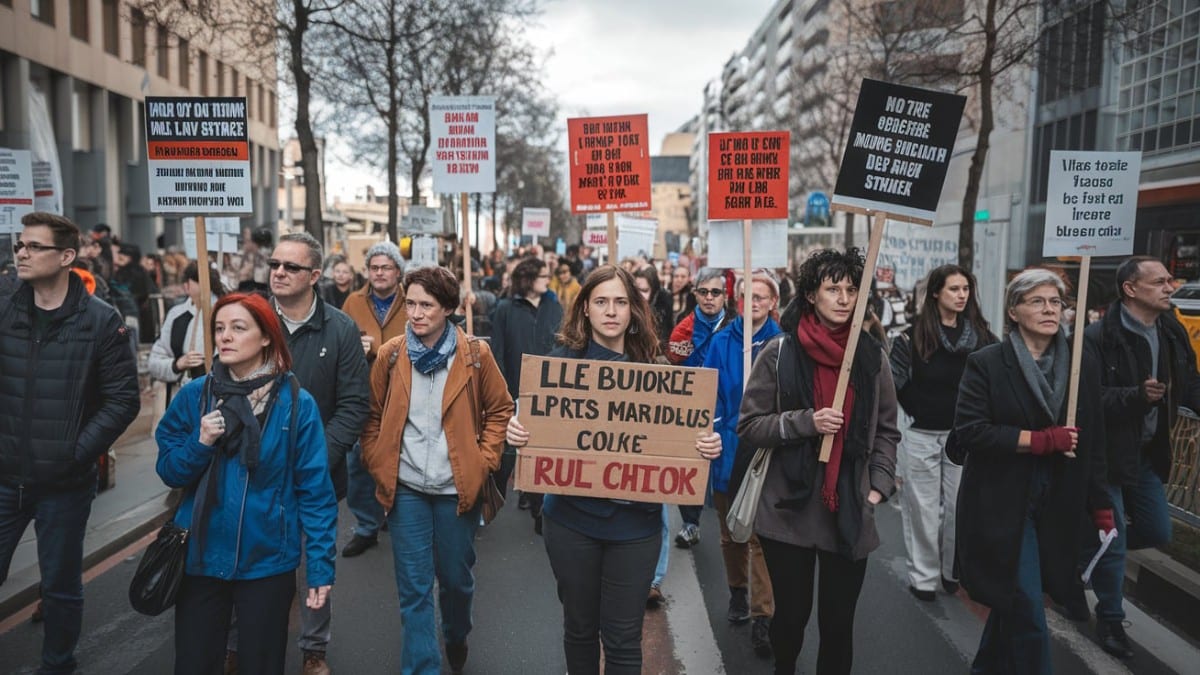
x=966, y=341
x=1047, y=377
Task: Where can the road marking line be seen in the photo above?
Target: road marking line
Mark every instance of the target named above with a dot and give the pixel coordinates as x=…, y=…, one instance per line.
x=687, y=616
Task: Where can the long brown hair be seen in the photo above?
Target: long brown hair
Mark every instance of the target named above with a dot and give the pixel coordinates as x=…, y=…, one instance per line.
x=927, y=326
x=641, y=338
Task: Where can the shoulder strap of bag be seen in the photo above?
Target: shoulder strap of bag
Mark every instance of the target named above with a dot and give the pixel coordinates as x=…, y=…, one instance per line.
x=475, y=366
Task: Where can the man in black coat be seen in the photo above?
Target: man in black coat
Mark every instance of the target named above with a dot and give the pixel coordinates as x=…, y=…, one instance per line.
x=68, y=389
x=1149, y=370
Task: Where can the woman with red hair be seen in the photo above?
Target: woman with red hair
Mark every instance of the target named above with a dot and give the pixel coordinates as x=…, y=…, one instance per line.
x=247, y=445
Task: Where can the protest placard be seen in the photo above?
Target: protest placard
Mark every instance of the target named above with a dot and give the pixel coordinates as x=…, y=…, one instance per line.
x=535, y=222
x=424, y=252
x=595, y=236
x=463, y=130
x=198, y=155
x=748, y=175
x=1091, y=203
x=912, y=251
x=768, y=244
x=422, y=220
x=221, y=235
x=609, y=160
x=16, y=189
x=635, y=236
x=614, y=429
x=900, y=144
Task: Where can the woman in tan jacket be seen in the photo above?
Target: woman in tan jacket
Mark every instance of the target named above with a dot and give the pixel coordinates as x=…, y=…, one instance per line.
x=439, y=408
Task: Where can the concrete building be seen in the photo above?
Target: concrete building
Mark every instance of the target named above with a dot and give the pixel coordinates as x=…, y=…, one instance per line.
x=671, y=191
x=74, y=75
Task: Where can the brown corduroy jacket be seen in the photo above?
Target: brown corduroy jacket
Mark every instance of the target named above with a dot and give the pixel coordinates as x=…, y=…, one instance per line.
x=361, y=308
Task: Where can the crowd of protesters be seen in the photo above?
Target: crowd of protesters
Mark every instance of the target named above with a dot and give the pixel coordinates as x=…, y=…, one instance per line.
x=328, y=382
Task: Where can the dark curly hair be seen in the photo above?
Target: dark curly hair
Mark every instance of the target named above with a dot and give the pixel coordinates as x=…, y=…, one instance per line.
x=827, y=263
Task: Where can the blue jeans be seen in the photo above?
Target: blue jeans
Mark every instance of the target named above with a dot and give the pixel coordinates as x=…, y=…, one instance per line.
x=360, y=495
x=1145, y=502
x=1016, y=640
x=429, y=538
x=59, y=520
x=664, y=554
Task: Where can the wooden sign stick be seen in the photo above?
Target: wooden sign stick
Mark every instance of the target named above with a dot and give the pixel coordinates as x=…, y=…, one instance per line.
x=747, y=290
x=463, y=201
x=878, y=221
x=612, y=238
x=1085, y=272
x=205, y=289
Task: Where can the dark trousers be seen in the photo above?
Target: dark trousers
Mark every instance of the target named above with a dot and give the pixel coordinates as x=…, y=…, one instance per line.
x=202, y=612
x=602, y=586
x=508, y=462
x=839, y=581
x=690, y=513
x=59, y=520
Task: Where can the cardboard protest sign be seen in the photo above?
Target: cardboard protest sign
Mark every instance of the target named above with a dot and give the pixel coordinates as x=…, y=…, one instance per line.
x=16, y=189
x=199, y=155
x=464, y=143
x=609, y=159
x=221, y=235
x=614, y=429
x=535, y=222
x=768, y=244
x=1091, y=203
x=748, y=175
x=635, y=236
x=422, y=220
x=899, y=148
x=595, y=236
x=424, y=252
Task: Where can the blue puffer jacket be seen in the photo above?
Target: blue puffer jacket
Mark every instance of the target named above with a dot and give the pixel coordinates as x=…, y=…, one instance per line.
x=255, y=522
x=725, y=354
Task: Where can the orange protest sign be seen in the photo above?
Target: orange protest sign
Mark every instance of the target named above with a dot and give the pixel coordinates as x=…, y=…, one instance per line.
x=748, y=175
x=609, y=159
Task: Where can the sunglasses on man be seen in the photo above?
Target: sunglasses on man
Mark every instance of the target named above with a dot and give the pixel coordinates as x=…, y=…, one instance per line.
x=291, y=267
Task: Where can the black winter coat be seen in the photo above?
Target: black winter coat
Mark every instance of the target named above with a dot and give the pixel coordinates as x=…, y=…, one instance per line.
x=328, y=359
x=1125, y=365
x=519, y=328
x=994, y=405
x=66, y=398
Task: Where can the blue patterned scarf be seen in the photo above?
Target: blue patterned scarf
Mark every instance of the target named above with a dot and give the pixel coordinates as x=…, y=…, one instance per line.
x=429, y=359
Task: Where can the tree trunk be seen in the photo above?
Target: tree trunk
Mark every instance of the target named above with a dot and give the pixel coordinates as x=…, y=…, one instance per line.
x=393, y=151
x=496, y=242
x=313, y=208
x=966, y=231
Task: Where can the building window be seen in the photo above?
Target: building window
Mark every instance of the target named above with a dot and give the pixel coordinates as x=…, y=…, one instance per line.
x=1077, y=132
x=110, y=16
x=262, y=104
x=185, y=64
x=1159, y=91
x=42, y=10
x=137, y=34
x=164, y=56
x=202, y=74
x=273, y=108
x=79, y=19
x=220, y=79
x=233, y=82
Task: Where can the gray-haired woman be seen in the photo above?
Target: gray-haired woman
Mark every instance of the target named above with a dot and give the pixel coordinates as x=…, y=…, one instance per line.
x=1024, y=501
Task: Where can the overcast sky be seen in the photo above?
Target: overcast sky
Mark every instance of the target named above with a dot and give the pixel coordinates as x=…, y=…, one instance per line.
x=610, y=57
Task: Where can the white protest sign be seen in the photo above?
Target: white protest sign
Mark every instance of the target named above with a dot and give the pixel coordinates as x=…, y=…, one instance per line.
x=1091, y=203
x=635, y=236
x=16, y=188
x=768, y=243
x=912, y=251
x=535, y=222
x=422, y=220
x=221, y=235
x=424, y=252
x=463, y=130
x=198, y=155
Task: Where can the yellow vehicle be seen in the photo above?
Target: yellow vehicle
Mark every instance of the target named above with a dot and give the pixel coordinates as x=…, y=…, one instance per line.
x=1186, y=301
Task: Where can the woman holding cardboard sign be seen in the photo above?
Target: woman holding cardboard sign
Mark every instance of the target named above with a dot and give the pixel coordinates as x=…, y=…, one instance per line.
x=1023, y=504
x=819, y=519
x=603, y=551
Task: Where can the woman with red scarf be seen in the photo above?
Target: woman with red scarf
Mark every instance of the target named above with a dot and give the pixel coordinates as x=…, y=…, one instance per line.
x=818, y=519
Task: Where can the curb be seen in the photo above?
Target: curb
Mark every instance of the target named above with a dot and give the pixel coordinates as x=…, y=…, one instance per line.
x=21, y=587
x=1165, y=587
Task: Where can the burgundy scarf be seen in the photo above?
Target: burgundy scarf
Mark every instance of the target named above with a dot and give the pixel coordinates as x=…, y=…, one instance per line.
x=827, y=348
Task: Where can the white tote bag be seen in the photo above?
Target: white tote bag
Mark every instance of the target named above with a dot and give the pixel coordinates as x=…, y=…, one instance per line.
x=740, y=520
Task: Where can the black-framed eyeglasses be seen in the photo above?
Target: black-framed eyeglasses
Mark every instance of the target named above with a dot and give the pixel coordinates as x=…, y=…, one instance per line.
x=291, y=267
x=35, y=247
x=709, y=292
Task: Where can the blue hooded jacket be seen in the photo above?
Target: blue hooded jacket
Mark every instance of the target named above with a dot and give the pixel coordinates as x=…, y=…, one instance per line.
x=725, y=355
x=255, y=522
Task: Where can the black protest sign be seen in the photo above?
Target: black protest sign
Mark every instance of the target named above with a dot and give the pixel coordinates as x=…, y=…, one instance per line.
x=899, y=149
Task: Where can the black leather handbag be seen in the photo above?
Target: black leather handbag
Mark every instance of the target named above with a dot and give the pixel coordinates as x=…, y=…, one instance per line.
x=160, y=571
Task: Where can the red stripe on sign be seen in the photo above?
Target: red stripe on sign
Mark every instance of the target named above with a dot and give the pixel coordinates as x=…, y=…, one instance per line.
x=43, y=193
x=15, y=200
x=198, y=150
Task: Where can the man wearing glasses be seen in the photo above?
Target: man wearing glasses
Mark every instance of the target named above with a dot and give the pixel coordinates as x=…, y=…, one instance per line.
x=68, y=389
x=327, y=358
x=688, y=347
x=380, y=317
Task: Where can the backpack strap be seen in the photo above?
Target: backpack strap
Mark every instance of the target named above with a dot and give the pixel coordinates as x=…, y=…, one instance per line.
x=476, y=366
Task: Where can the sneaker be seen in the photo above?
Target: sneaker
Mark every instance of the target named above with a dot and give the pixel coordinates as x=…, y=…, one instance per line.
x=689, y=536
x=1113, y=639
x=358, y=545
x=739, y=606
x=456, y=657
x=314, y=663
x=923, y=596
x=655, y=599
x=951, y=587
x=523, y=502
x=760, y=636
x=231, y=665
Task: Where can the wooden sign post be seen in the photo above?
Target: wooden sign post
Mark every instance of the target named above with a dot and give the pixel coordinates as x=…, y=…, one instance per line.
x=893, y=168
x=203, y=275
x=1091, y=207
x=609, y=162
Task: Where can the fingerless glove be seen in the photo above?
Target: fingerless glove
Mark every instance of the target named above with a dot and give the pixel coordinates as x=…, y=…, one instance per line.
x=1050, y=439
